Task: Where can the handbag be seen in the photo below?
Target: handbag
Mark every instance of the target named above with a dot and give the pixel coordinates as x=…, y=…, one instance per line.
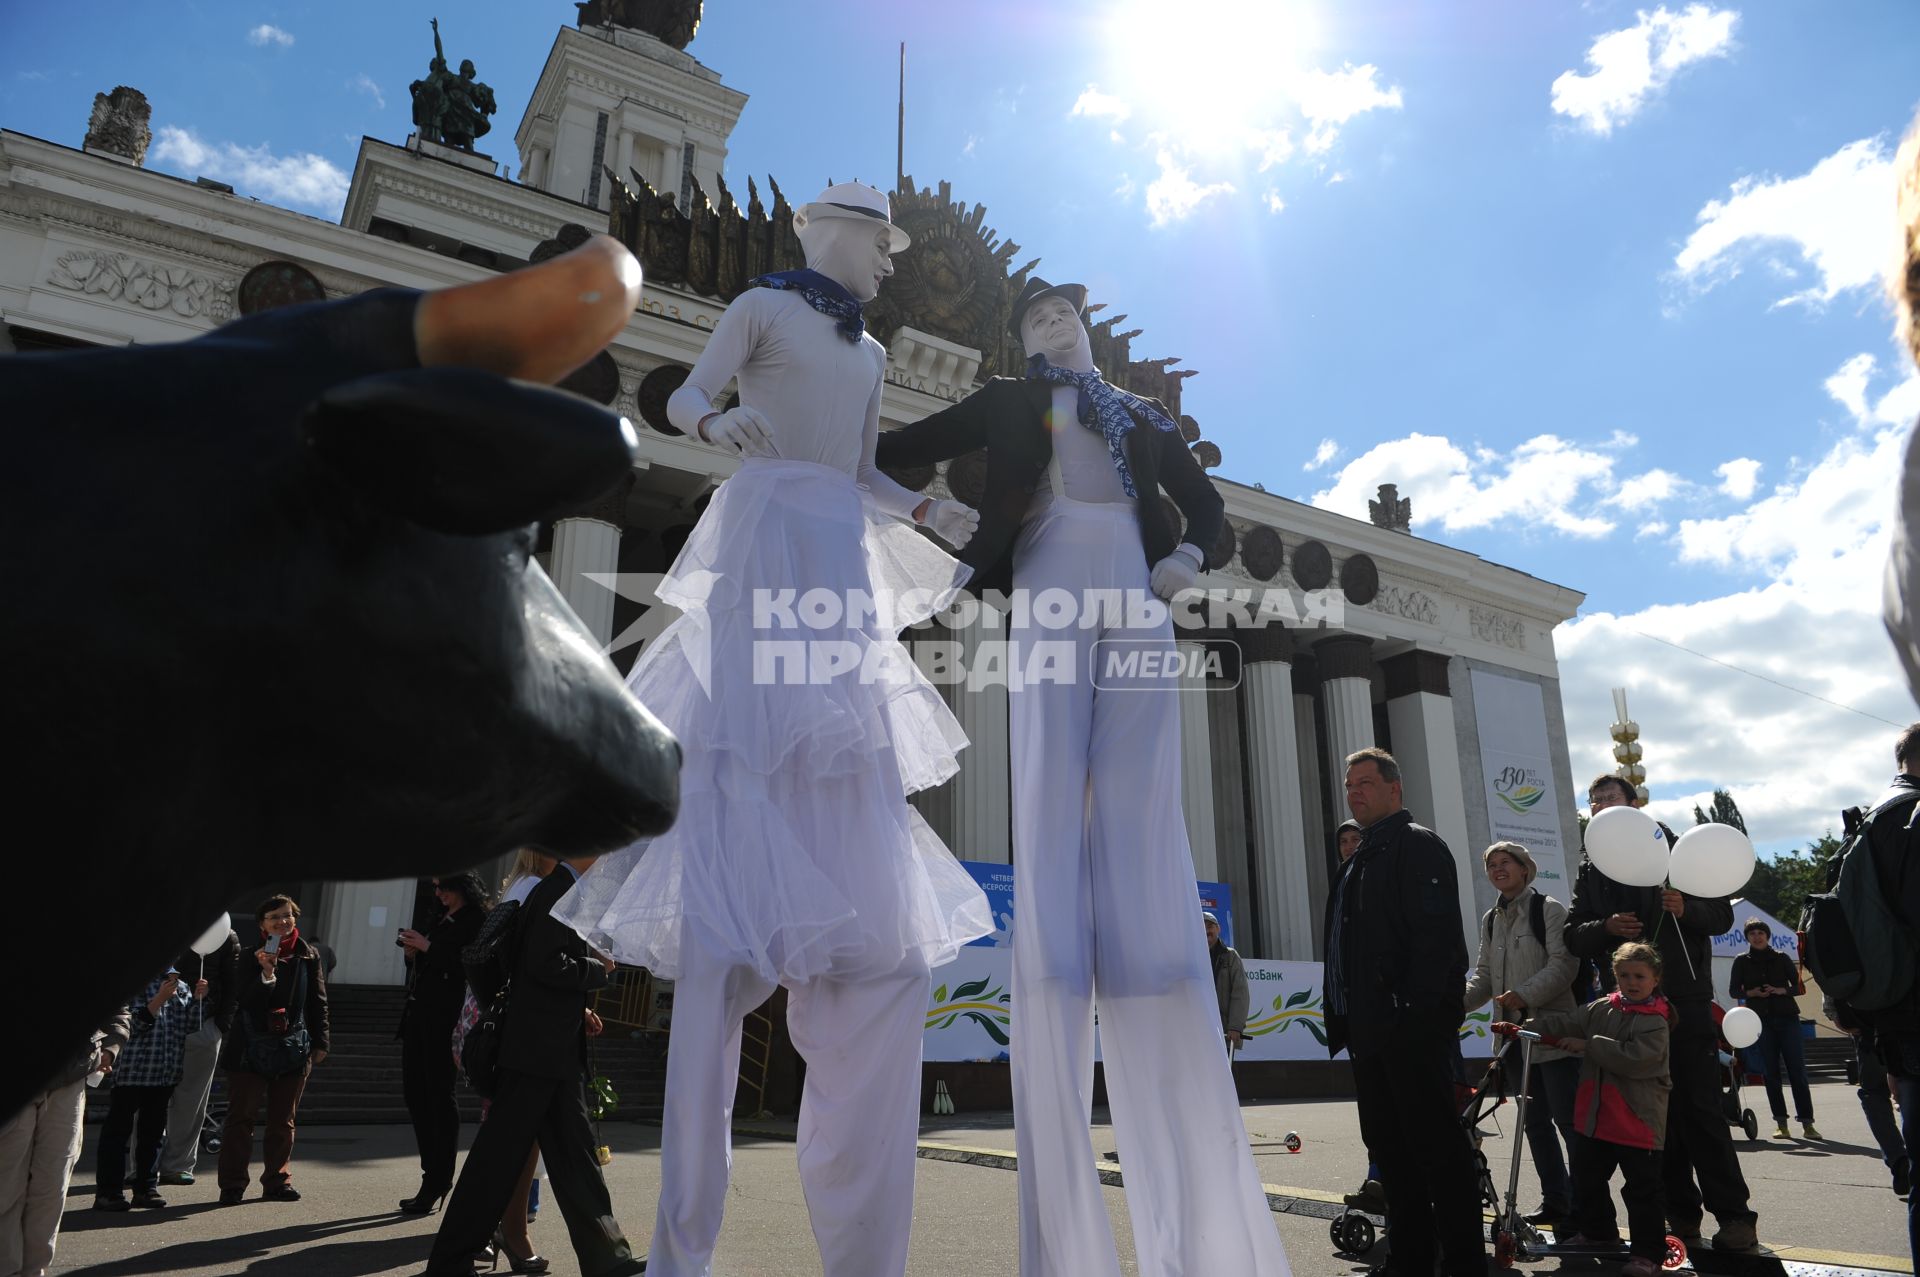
x=273, y=1054
x=480, y=1052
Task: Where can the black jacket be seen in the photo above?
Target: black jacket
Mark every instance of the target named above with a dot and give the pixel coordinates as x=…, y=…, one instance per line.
x=1752, y=970
x=221, y=970
x=437, y=983
x=1895, y=847
x=1685, y=943
x=1403, y=956
x=546, y=1033
x=256, y=1000
x=1007, y=417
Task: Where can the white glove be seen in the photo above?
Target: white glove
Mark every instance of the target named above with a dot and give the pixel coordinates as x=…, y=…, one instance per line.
x=952, y=522
x=742, y=429
x=1178, y=571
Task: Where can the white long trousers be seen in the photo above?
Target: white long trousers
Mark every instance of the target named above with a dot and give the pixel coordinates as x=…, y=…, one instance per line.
x=1106, y=907
x=859, y=1110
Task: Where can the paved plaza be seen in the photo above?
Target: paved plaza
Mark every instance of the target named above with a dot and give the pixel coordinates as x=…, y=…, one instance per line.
x=1818, y=1202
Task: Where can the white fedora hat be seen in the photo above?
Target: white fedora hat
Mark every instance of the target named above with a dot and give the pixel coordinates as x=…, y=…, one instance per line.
x=853, y=200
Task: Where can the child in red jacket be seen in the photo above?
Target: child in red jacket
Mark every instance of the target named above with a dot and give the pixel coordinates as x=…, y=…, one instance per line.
x=1620, y=1111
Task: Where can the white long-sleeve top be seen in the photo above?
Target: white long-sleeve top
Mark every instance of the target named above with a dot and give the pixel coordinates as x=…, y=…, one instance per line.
x=819, y=392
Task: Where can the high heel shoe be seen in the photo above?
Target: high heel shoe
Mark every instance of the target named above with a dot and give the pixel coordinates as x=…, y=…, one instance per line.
x=425, y=1202
x=531, y=1264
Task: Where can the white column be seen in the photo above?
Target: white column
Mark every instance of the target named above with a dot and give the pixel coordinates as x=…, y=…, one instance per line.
x=1420, y=717
x=1281, y=849
x=1313, y=825
x=1196, y=761
x=582, y=546
x=982, y=799
x=1346, y=666
x=621, y=162
x=361, y=920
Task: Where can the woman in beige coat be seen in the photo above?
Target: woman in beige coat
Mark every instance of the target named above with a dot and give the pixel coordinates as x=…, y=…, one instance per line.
x=1525, y=968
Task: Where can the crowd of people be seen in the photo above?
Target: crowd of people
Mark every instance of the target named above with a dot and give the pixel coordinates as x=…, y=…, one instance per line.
x=1628, y=1080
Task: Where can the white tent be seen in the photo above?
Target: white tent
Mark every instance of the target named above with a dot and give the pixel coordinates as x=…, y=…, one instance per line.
x=1731, y=945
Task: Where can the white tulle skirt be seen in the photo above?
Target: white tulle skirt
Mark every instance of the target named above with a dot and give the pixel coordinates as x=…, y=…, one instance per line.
x=803, y=725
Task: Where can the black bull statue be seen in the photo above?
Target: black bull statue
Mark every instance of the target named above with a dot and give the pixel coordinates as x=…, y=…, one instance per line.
x=271, y=612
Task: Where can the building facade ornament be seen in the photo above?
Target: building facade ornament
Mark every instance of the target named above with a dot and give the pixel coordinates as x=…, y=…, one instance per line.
x=123, y=278
x=1492, y=626
x=1409, y=604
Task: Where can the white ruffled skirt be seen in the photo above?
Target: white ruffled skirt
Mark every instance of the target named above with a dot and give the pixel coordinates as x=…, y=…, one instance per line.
x=803, y=724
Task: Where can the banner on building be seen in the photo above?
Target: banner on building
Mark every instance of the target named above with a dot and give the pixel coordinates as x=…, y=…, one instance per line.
x=971, y=1014
x=997, y=882
x=1522, y=805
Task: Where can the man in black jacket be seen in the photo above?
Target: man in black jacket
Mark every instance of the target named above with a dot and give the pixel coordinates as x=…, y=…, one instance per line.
x=1396, y=962
x=1101, y=864
x=1605, y=915
x=541, y=1096
x=1893, y=840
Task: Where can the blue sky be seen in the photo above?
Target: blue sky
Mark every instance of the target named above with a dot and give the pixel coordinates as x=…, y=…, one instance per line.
x=1595, y=284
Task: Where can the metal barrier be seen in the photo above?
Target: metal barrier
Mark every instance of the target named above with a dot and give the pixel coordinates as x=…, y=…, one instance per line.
x=756, y=1060
x=627, y=1001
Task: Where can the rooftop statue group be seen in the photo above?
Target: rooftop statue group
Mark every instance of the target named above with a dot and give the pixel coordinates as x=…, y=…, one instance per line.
x=451, y=109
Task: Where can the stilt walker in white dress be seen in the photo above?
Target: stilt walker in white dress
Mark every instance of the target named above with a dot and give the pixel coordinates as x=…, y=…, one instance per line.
x=1104, y=893
x=796, y=860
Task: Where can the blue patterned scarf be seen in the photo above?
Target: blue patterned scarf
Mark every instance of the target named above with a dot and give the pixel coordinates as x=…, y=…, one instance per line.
x=1104, y=407
x=825, y=295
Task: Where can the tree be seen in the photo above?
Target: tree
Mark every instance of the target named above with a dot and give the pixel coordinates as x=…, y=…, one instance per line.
x=1781, y=885
x=1723, y=812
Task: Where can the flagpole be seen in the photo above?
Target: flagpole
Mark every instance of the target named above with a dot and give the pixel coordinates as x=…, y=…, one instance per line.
x=900, y=134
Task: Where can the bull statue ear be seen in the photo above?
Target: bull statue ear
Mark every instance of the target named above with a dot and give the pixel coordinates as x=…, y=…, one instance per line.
x=468, y=452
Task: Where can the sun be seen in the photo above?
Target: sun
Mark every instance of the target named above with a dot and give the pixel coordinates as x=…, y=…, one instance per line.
x=1210, y=74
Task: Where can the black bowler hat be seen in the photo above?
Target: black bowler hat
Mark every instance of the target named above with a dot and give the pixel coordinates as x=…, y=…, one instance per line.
x=1034, y=289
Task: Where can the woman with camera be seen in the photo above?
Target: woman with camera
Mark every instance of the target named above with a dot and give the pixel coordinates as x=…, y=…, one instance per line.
x=279, y=1034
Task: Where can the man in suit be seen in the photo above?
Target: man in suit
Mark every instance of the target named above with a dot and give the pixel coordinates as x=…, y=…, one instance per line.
x=1102, y=870
x=541, y=1096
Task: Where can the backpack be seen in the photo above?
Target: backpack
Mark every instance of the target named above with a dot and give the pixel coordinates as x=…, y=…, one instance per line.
x=488, y=961
x=1852, y=940
x=1583, y=984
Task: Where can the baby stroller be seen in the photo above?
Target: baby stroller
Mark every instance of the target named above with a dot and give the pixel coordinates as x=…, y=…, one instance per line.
x=1354, y=1232
x=1733, y=1072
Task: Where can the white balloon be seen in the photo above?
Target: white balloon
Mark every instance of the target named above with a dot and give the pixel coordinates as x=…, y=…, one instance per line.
x=1742, y=1025
x=1711, y=860
x=1627, y=846
x=213, y=937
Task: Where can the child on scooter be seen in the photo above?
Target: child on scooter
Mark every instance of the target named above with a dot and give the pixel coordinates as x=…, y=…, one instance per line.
x=1620, y=1110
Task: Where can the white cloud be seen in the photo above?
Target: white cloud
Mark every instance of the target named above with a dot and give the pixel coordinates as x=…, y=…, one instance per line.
x=1336, y=179
x=1643, y=490
x=1630, y=66
x=973, y=141
x=1739, y=477
x=1545, y=482
x=1174, y=194
x=1124, y=189
x=1327, y=451
x=1274, y=146
x=1791, y=760
x=1839, y=216
x=1329, y=99
x=1849, y=385
x=1274, y=203
x=266, y=33
x=306, y=181
x=1100, y=106
x=1806, y=529
x=363, y=83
